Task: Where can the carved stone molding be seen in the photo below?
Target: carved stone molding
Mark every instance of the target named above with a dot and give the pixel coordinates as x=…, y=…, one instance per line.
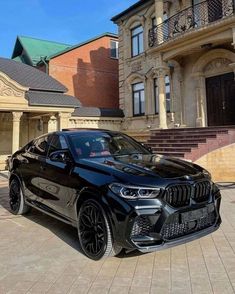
x=9, y=87
x=136, y=66
x=218, y=64
x=16, y=116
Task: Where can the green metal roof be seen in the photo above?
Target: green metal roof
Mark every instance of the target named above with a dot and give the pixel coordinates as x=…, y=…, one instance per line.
x=34, y=48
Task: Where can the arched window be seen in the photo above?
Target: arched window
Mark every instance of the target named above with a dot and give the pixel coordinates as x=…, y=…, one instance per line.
x=137, y=40
x=138, y=96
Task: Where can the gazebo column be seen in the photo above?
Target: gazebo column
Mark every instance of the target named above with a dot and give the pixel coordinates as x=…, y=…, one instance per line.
x=16, y=116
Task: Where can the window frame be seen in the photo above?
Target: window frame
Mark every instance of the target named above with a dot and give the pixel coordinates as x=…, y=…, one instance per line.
x=156, y=95
x=137, y=35
x=140, y=113
x=32, y=147
x=168, y=99
x=116, y=49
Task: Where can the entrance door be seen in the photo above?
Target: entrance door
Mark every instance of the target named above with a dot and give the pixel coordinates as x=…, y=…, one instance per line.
x=215, y=10
x=220, y=92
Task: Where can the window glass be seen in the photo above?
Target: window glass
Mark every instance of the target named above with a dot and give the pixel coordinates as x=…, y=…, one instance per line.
x=142, y=102
x=137, y=41
x=135, y=49
x=165, y=26
x=137, y=30
x=141, y=43
x=138, y=99
x=100, y=144
x=156, y=96
x=40, y=146
x=136, y=104
x=114, y=49
x=57, y=143
x=168, y=93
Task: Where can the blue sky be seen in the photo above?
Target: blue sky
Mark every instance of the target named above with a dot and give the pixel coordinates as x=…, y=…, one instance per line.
x=66, y=21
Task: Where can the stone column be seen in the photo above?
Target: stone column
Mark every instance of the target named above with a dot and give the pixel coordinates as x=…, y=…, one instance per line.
x=201, y=101
x=162, y=98
x=159, y=18
x=16, y=116
x=63, y=120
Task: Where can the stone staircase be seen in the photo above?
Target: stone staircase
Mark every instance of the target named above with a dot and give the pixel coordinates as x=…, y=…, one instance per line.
x=190, y=143
x=141, y=136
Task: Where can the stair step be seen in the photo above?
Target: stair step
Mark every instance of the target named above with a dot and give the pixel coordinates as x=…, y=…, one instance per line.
x=197, y=136
x=189, y=140
x=178, y=149
x=173, y=144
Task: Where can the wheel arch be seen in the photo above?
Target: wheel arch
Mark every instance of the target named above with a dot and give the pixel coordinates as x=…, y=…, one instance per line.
x=99, y=197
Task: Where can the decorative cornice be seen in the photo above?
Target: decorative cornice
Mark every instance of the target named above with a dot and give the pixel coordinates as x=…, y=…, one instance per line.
x=9, y=87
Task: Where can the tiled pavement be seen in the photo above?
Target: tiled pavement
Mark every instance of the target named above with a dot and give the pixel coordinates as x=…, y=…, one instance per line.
x=40, y=255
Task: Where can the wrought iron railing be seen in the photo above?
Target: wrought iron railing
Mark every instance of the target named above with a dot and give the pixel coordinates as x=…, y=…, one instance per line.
x=190, y=18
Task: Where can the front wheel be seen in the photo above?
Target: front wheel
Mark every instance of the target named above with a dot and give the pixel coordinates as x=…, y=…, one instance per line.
x=16, y=199
x=94, y=232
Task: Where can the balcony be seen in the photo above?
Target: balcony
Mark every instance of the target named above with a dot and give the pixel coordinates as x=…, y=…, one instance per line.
x=191, y=18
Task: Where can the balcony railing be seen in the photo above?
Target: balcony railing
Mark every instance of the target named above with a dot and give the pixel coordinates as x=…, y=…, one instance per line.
x=190, y=18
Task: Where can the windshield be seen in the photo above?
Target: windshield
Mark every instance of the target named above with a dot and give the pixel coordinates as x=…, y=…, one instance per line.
x=101, y=144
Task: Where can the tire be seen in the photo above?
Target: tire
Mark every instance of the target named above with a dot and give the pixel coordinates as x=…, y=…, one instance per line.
x=94, y=232
x=16, y=199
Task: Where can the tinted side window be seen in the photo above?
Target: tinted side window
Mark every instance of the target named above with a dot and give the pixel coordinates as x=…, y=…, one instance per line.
x=40, y=146
x=57, y=143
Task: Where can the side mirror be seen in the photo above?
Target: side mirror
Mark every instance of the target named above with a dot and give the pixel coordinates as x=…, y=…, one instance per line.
x=60, y=156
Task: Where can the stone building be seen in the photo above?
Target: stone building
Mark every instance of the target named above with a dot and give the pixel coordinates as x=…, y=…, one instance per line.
x=177, y=63
x=33, y=103
x=89, y=70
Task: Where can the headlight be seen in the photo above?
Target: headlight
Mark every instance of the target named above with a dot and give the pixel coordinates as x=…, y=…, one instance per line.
x=134, y=192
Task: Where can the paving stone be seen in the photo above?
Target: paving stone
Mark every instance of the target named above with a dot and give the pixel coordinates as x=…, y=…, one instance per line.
x=41, y=255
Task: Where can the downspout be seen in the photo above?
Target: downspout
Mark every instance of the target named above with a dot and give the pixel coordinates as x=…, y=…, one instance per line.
x=43, y=59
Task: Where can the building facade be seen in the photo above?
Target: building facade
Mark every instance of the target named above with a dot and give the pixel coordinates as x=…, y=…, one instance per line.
x=177, y=63
x=33, y=103
x=89, y=70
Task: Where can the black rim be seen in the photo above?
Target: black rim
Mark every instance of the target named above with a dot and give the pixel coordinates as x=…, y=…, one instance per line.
x=14, y=196
x=92, y=230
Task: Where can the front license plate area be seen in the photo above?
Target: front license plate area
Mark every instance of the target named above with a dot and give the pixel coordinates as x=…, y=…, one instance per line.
x=197, y=214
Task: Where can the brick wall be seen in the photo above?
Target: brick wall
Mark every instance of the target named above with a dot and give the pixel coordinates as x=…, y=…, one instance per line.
x=221, y=163
x=89, y=73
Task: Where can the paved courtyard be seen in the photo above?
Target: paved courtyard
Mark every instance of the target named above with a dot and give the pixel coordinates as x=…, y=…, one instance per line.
x=40, y=255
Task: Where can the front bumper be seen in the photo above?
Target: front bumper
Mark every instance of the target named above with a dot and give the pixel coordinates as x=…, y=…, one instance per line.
x=179, y=241
x=153, y=225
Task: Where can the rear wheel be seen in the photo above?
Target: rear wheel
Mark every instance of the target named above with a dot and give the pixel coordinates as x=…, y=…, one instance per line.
x=94, y=232
x=16, y=198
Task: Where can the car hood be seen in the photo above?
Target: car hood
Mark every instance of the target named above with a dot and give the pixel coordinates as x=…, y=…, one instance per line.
x=145, y=166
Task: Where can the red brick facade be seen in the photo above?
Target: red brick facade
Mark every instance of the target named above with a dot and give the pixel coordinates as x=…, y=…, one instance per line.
x=89, y=73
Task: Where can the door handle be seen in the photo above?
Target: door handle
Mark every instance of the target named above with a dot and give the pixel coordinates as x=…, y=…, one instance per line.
x=224, y=105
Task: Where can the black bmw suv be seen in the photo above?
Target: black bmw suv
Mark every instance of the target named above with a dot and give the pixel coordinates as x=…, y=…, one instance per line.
x=114, y=190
